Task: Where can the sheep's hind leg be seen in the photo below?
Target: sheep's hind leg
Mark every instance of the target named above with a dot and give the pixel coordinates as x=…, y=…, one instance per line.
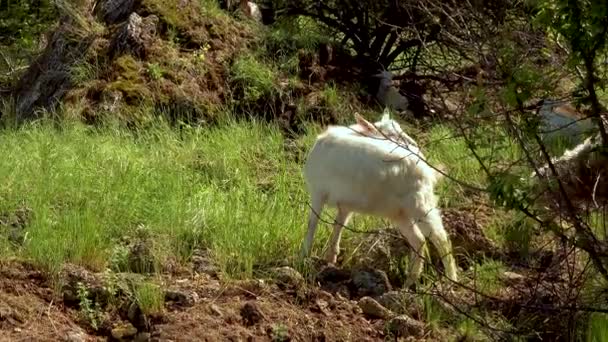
x=317, y=203
x=342, y=218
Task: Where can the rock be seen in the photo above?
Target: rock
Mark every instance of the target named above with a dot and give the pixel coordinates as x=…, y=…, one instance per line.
x=181, y=298
x=75, y=336
x=321, y=306
x=113, y=11
x=251, y=313
x=124, y=331
x=77, y=276
x=134, y=35
x=370, y=282
x=325, y=295
x=511, y=277
x=404, y=326
x=142, y=337
x=372, y=308
x=204, y=265
x=216, y=310
x=332, y=274
x=287, y=277
x=137, y=317
x=49, y=78
x=141, y=258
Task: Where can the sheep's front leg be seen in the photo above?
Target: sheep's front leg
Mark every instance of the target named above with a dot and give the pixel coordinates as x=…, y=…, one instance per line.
x=414, y=237
x=342, y=218
x=432, y=226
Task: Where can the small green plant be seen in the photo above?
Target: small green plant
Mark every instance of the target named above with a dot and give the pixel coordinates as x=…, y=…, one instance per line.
x=331, y=96
x=150, y=298
x=91, y=313
x=201, y=53
x=119, y=258
x=486, y=275
x=279, y=333
x=518, y=235
x=83, y=71
x=155, y=71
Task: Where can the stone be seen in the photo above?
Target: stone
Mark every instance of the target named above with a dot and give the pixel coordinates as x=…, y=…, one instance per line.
x=372, y=308
x=182, y=298
x=511, y=277
x=123, y=331
x=404, y=326
x=370, y=282
x=251, y=313
x=287, y=277
x=75, y=336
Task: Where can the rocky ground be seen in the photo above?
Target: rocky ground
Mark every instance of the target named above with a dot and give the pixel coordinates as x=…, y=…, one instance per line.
x=345, y=306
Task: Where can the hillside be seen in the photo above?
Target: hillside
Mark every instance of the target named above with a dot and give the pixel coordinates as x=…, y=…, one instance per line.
x=152, y=172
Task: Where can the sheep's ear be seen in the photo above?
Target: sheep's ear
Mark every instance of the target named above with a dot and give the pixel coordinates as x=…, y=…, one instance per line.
x=386, y=115
x=366, y=125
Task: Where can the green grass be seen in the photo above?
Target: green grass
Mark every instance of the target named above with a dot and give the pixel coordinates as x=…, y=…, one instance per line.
x=230, y=188
x=255, y=78
x=597, y=330
x=150, y=298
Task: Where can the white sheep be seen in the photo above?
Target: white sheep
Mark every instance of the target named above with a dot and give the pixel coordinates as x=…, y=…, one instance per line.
x=389, y=95
x=561, y=120
x=251, y=9
x=384, y=129
x=365, y=173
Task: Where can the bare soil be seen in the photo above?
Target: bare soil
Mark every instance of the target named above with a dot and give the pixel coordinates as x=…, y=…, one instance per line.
x=31, y=309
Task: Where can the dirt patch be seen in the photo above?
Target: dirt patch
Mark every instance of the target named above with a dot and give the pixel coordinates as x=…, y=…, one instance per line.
x=30, y=308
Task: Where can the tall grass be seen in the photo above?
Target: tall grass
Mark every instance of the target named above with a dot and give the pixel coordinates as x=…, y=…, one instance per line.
x=231, y=189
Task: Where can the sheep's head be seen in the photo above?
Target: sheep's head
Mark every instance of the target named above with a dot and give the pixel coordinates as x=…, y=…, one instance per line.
x=386, y=78
x=385, y=128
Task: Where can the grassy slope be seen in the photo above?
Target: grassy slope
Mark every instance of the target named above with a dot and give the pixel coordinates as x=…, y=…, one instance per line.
x=232, y=189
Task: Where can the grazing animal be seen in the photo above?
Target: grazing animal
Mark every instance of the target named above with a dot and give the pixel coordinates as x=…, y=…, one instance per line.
x=562, y=120
x=355, y=169
x=389, y=95
x=251, y=9
x=385, y=128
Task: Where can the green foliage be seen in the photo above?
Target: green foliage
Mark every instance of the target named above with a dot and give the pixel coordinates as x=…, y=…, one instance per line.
x=155, y=71
x=287, y=36
x=507, y=190
x=279, y=333
x=150, y=298
x=255, y=79
x=92, y=313
x=597, y=330
x=518, y=235
x=486, y=276
x=583, y=24
x=23, y=21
